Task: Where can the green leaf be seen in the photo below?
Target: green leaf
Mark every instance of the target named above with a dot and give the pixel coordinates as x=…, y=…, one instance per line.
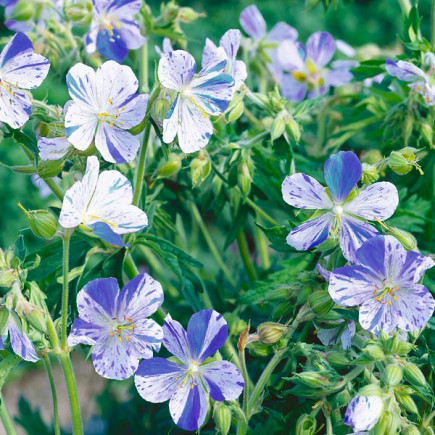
x=277, y=236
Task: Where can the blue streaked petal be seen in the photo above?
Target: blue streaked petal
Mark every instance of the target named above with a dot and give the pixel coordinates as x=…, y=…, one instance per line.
x=405, y=71
x=320, y=48
x=230, y=42
x=15, y=109
x=291, y=56
x=53, y=148
x=363, y=412
x=105, y=232
x=253, y=22
x=175, y=340
x=111, y=45
x=292, y=89
x=80, y=125
x=81, y=85
x=20, y=342
x=130, y=33
x=176, y=69
x=414, y=267
x=281, y=31
x=86, y=333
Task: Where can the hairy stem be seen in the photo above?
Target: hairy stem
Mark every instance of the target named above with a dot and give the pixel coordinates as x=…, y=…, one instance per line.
x=262, y=247
x=53, y=394
x=140, y=170
x=7, y=421
x=54, y=188
x=65, y=289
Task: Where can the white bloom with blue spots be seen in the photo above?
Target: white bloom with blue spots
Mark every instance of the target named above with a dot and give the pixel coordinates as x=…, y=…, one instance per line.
x=363, y=412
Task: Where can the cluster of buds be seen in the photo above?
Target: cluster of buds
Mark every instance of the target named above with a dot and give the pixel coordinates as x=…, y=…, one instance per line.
x=404, y=160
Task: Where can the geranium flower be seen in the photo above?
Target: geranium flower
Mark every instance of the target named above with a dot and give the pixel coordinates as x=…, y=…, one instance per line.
x=53, y=148
x=420, y=81
x=102, y=203
x=115, y=323
x=187, y=382
x=254, y=25
x=113, y=31
x=385, y=283
x=198, y=96
x=20, y=68
x=344, y=212
x=104, y=106
x=306, y=67
x=20, y=342
x=363, y=412
x=343, y=332
x=230, y=42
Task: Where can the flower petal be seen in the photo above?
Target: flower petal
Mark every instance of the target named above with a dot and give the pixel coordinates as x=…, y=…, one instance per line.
x=176, y=69
x=338, y=77
x=81, y=82
x=223, y=379
x=342, y=171
x=171, y=121
x=111, y=45
x=405, y=71
x=188, y=406
x=377, y=201
x=207, y=332
x=291, y=55
x=20, y=342
x=157, y=379
x=208, y=53
x=15, y=109
x=320, y=48
x=347, y=335
x=124, y=8
x=80, y=125
x=53, y=148
x=363, y=412
x=175, y=340
x=86, y=333
x=376, y=316
x=414, y=267
x=230, y=42
x=253, y=22
x=303, y=191
x=130, y=33
x=352, y=234
x=311, y=233
x=281, y=31
x=105, y=232
x=292, y=89
x=147, y=337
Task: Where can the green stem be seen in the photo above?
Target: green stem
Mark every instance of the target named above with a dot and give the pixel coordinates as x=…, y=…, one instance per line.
x=244, y=251
x=211, y=244
x=140, y=170
x=53, y=335
x=53, y=394
x=329, y=430
x=262, y=247
x=432, y=25
x=143, y=68
x=71, y=385
x=246, y=380
x=261, y=212
x=46, y=107
x=65, y=289
x=321, y=132
x=54, y=188
x=6, y=418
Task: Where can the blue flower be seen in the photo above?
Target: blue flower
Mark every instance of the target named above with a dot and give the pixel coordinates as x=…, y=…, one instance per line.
x=363, y=412
x=306, y=67
x=344, y=212
x=20, y=68
x=187, y=379
x=384, y=282
x=198, y=96
x=104, y=106
x=419, y=81
x=115, y=323
x=113, y=31
x=102, y=203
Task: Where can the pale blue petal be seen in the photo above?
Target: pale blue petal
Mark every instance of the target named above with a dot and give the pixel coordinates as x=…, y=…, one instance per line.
x=320, y=48
x=20, y=342
x=253, y=22
x=86, y=333
x=363, y=412
x=175, y=340
x=176, y=69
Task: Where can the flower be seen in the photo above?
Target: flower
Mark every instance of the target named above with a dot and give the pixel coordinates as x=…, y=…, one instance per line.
x=254, y=25
x=104, y=107
x=207, y=93
x=230, y=42
x=53, y=148
x=20, y=68
x=342, y=332
x=384, y=282
x=115, y=323
x=306, y=67
x=363, y=412
x=344, y=208
x=103, y=203
x=420, y=81
x=113, y=31
x=187, y=381
x=20, y=342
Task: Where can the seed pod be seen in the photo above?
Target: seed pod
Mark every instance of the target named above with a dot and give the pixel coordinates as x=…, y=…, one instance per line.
x=393, y=375
x=271, y=332
x=371, y=390
x=222, y=418
x=403, y=348
x=374, y=351
x=42, y=222
x=427, y=133
x=338, y=359
x=399, y=164
x=411, y=430
x=235, y=111
x=306, y=425
x=277, y=129
x=408, y=241
x=313, y=379
x=259, y=349
x=293, y=129
x=414, y=375
x=387, y=424
x=321, y=302
x=407, y=402
x=171, y=167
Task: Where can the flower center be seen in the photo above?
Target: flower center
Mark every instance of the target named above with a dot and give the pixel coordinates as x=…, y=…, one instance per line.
x=108, y=24
x=5, y=86
x=192, y=371
x=386, y=295
x=88, y=219
x=337, y=210
x=111, y=118
x=123, y=330
x=311, y=75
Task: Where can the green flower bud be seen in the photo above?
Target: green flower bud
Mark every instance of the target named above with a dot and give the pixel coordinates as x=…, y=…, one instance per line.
x=271, y=332
x=321, y=302
x=374, y=351
x=200, y=168
x=42, y=222
x=293, y=129
x=393, y=375
x=369, y=174
x=414, y=375
x=411, y=430
x=243, y=339
x=259, y=349
x=78, y=13
x=371, y=390
x=169, y=12
x=429, y=59
x=306, y=425
x=277, y=129
x=371, y=156
x=403, y=348
x=7, y=277
x=407, y=402
x=4, y=318
x=312, y=379
x=337, y=359
x=187, y=15
x=408, y=241
x=402, y=161
x=235, y=111
x=427, y=133
x=170, y=167
x=160, y=109
x=22, y=11
x=222, y=418
x=342, y=399
x=387, y=424
x=244, y=178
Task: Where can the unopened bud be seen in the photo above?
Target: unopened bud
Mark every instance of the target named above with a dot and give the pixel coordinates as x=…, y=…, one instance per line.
x=313, y=379
x=22, y=11
x=243, y=339
x=42, y=222
x=321, y=302
x=411, y=430
x=306, y=425
x=259, y=349
x=187, y=15
x=408, y=241
x=393, y=375
x=160, y=109
x=244, y=178
x=414, y=375
x=429, y=60
x=170, y=167
x=78, y=13
x=293, y=129
x=200, y=168
x=402, y=161
x=403, y=348
x=387, y=424
x=374, y=351
x=222, y=418
x=277, y=128
x=235, y=111
x=271, y=332
x=337, y=359
x=371, y=390
x=7, y=277
x=407, y=402
x=369, y=174
x=427, y=133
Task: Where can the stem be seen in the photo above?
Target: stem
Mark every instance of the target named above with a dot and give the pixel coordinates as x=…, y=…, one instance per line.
x=405, y=5
x=432, y=26
x=46, y=107
x=320, y=133
x=140, y=170
x=244, y=251
x=65, y=290
x=53, y=394
x=261, y=212
x=329, y=430
x=71, y=385
x=8, y=423
x=211, y=244
x=246, y=380
x=54, y=188
x=53, y=335
x=143, y=68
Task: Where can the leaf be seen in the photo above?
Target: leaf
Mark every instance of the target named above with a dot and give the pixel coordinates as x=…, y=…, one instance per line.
x=7, y=364
x=237, y=225
x=19, y=249
x=277, y=236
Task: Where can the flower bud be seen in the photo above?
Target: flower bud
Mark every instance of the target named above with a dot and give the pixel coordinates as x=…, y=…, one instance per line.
x=235, y=111
x=22, y=11
x=337, y=359
x=393, y=375
x=411, y=430
x=259, y=349
x=222, y=418
x=313, y=379
x=170, y=167
x=403, y=348
x=369, y=174
x=408, y=241
x=293, y=129
x=387, y=424
x=200, y=168
x=244, y=178
x=427, y=133
x=160, y=109
x=407, y=402
x=277, y=128
x=371, y=390
x=187, y=15
x=78, y=13
x=243, y=339
x=4, y=318
x=321, y=302
x=374, y=351
x=429, y=60
x=271, y=332
x=402, y=161
x=7, y=277
x=414, y=375
x=306, y=425
x=42, y=222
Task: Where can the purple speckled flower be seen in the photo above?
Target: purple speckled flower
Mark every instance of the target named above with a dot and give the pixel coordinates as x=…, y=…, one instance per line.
x=344, y=212
x=306, y=67
x=363, y=412
x=115, y=323
x=113, y=30
x=187, y=381
x=384, y=282
x=420, y=82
